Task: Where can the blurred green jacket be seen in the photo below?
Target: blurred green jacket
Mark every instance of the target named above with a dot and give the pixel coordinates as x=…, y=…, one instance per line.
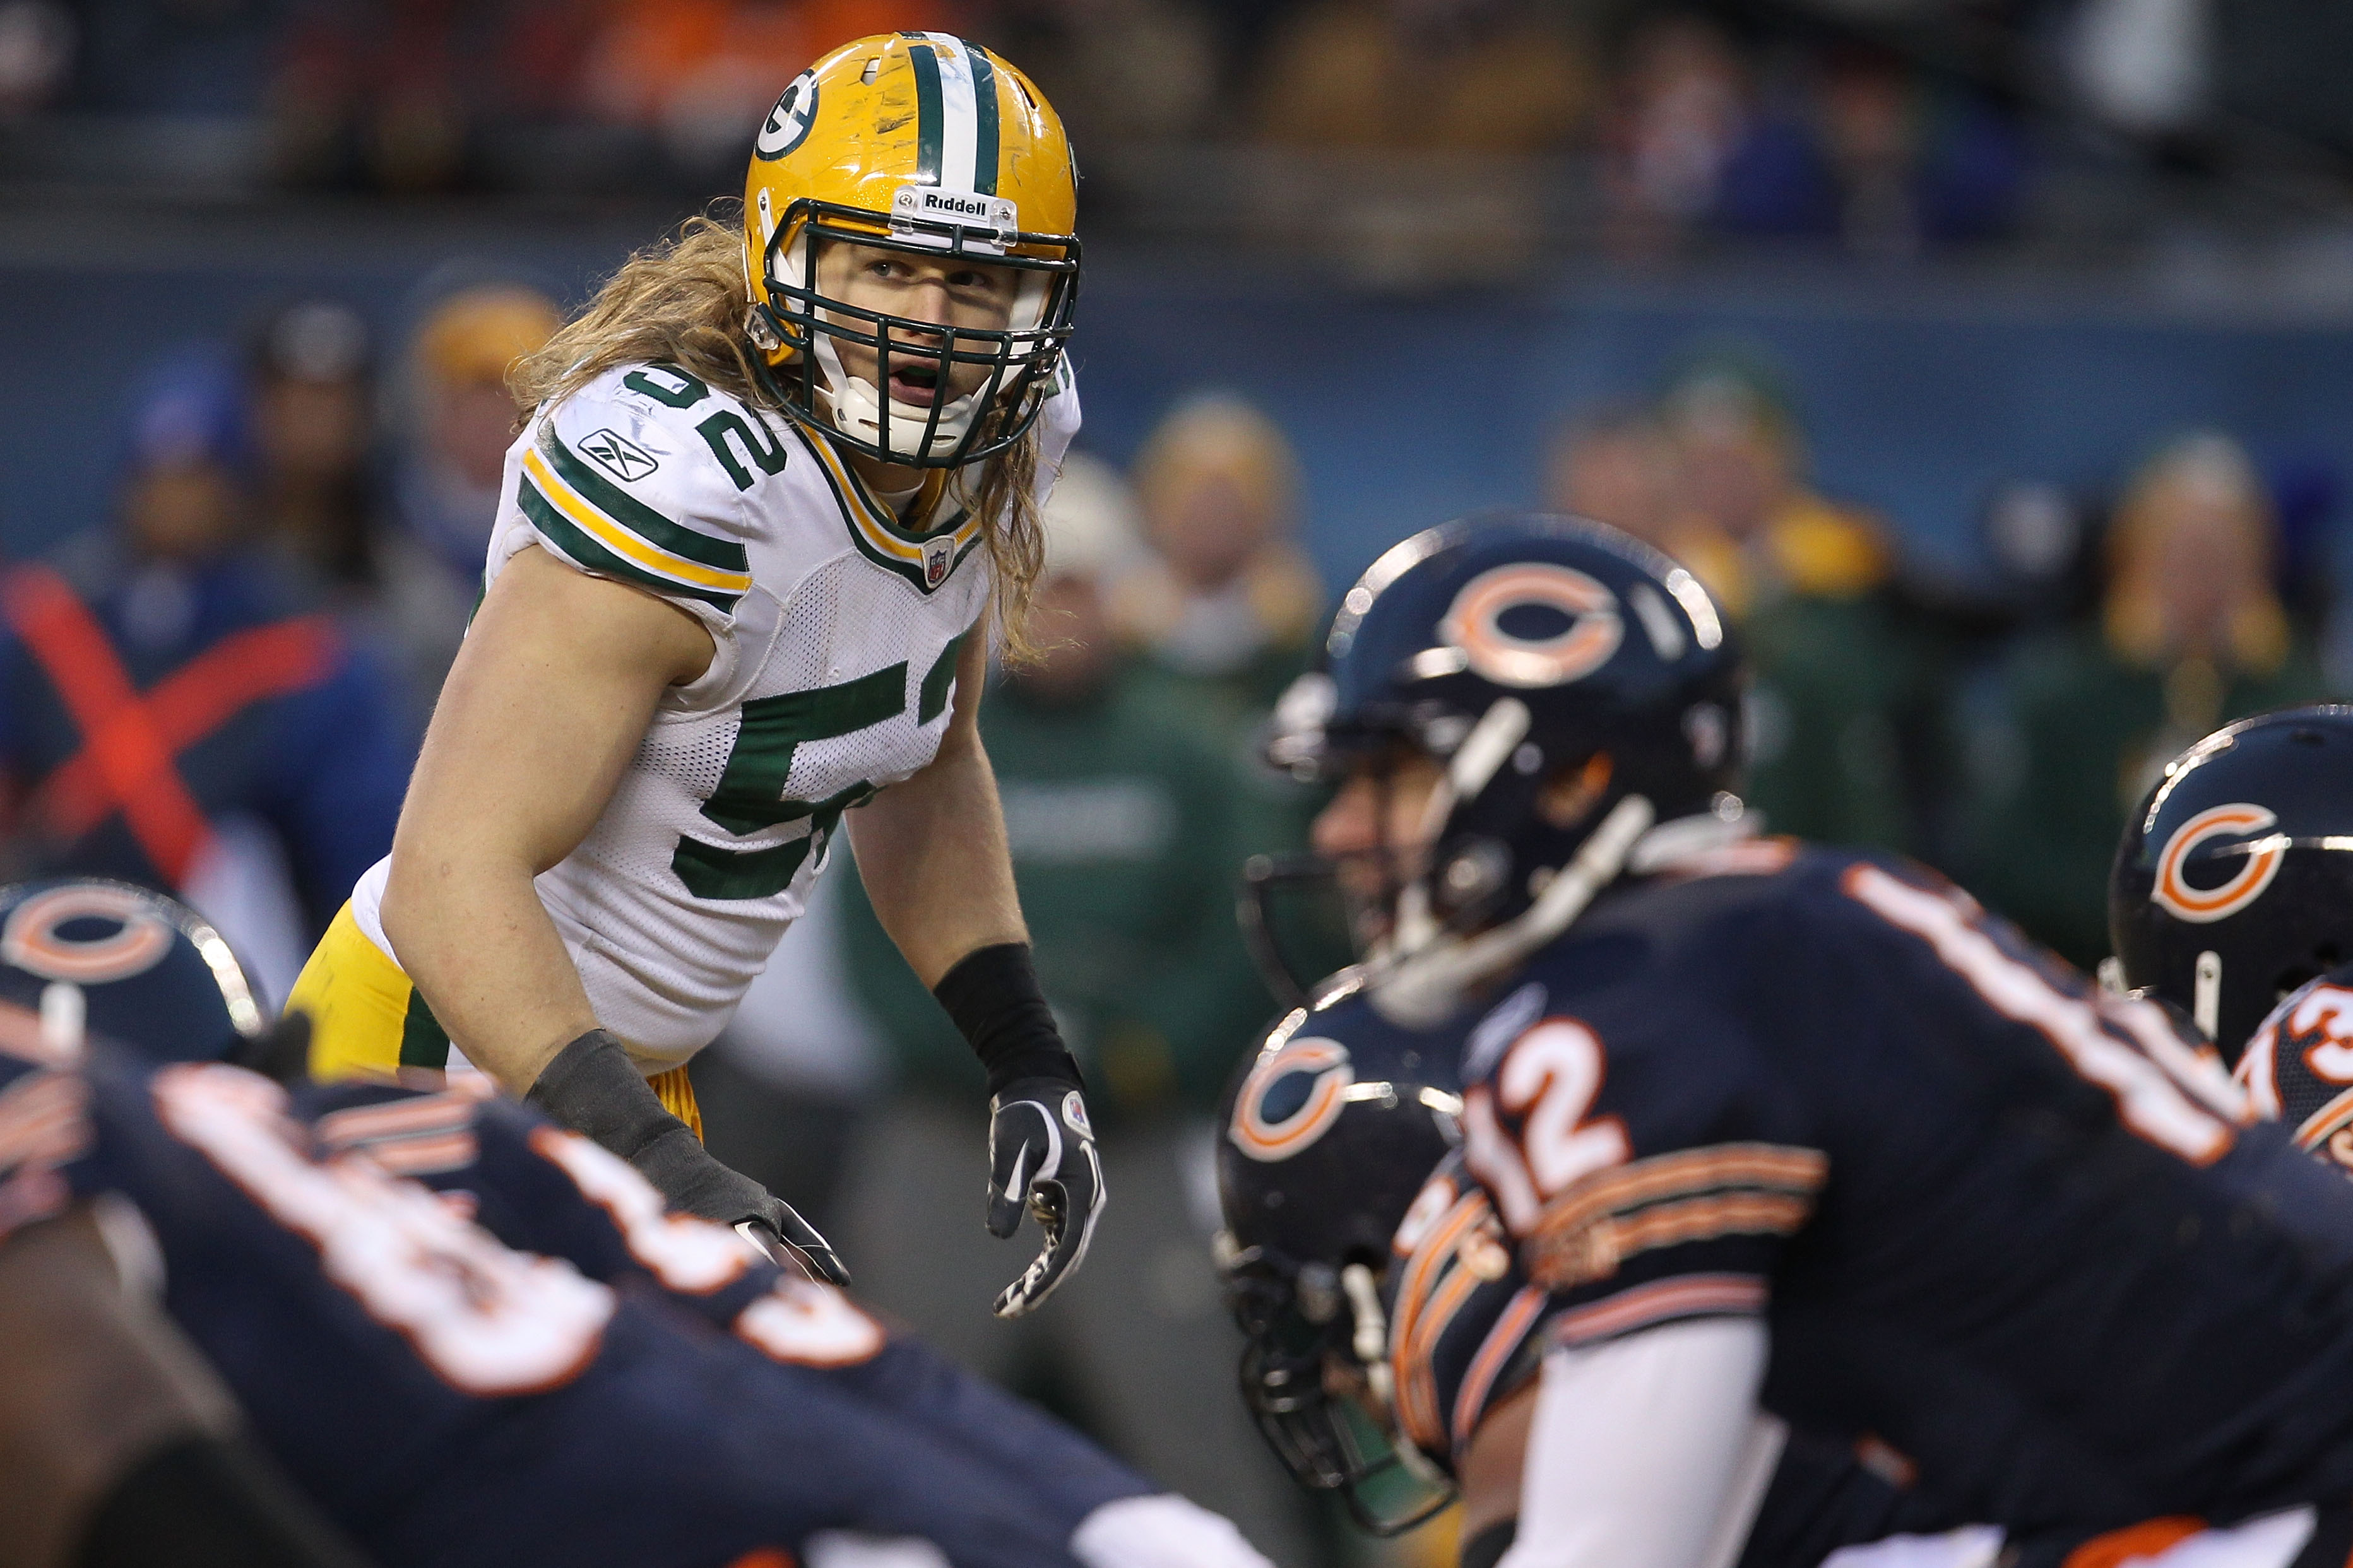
x=1128, y=822
x=2083, y=734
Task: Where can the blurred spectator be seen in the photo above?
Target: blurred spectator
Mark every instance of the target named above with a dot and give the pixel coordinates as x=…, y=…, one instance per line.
x=2190, y=634
x=37, y=53
x=1470, y=75
x=2143, y=65
x=1120, y=808
x=1117, y=70
x=312, y=425
x=458, y=418
x=699, y=75
x=1853, y=144
x=1680, y=108
x=1226, y=601
x=1838, y=682
x=168, y=715
x=1619, y=466
x=1863, y=150
x=391, y=94
x=176, y=57
x=2040, y=544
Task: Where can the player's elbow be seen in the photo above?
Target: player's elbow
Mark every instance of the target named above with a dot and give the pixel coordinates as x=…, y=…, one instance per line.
x=431, y=888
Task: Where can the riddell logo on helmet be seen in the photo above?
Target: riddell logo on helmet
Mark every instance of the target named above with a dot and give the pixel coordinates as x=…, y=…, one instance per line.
x=940, y=206
x=2202, y=906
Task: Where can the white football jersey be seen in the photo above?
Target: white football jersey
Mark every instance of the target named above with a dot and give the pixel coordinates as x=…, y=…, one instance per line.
x=835, y=632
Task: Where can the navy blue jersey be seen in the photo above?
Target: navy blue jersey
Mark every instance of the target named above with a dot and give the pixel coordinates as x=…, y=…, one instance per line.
x=646, y=1394
x=1470, y=1330
x=540, y=1189
x=2021, y=1237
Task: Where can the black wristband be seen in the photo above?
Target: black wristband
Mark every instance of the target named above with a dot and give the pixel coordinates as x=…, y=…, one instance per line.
x=592, y=1086
x=992, y=996
x=204, y=1502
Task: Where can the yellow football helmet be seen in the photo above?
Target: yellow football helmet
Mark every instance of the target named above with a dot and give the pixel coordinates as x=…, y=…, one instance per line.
x=923, y=143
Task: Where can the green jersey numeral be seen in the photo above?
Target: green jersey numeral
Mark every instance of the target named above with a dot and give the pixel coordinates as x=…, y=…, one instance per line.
x=684, y=391
x=770, y=457
x=751, y=793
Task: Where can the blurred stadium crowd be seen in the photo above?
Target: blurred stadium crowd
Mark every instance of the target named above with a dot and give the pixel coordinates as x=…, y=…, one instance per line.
x=1888, y=125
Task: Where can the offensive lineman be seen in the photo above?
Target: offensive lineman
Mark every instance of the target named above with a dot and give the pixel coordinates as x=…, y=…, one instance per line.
x=1766, y=1125
x=776, y=491
x=540, y=1365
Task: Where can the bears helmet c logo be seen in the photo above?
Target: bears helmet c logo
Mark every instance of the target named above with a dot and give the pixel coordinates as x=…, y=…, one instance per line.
x=117, y=936
x=1276, y=1115
x=2202, y=906
x=1577, y=624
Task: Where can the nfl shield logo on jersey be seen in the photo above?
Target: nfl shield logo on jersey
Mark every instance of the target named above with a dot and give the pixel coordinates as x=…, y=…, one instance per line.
x=937, y=556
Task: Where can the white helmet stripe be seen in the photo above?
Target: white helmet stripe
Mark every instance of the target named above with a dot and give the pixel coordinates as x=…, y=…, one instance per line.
x=960, y=131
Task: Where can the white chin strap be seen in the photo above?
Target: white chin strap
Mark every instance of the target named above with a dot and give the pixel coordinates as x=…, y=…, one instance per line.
x=857, y=408
x=1420, y=987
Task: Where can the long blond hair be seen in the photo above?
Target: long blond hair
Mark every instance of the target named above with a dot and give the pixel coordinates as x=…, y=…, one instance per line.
x=683, y=300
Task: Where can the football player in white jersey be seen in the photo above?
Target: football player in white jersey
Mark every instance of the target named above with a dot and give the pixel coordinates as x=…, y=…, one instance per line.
x=777, y=490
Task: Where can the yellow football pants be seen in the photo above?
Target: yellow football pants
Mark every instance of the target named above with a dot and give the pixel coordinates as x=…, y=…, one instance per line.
x=368, y=1021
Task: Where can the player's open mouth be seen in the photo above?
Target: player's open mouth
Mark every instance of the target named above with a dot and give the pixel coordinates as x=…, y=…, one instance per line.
x=918, y=385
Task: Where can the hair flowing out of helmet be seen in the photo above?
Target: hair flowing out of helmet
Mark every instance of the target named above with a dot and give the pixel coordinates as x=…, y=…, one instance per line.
x=1581, y=696
x=926, y=145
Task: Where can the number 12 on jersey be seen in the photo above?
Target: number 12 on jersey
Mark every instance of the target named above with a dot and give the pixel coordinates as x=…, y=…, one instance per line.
x=1548, y=1077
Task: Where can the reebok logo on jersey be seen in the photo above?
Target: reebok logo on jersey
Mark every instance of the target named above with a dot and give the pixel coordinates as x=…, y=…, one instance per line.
x=624, y=457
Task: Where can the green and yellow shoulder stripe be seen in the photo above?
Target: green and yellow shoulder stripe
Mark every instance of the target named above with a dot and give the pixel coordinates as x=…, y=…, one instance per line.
x=608, y=530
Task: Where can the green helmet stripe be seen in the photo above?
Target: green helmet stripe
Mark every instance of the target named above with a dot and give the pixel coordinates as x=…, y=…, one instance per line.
x=931, y=119
x=983, y=108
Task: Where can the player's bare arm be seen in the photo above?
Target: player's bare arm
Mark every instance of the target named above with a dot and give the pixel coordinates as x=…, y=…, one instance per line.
x=546, y=705
x=933, y=855
x=548, y=700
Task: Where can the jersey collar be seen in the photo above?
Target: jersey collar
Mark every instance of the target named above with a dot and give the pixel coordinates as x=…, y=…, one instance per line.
x=926, y=559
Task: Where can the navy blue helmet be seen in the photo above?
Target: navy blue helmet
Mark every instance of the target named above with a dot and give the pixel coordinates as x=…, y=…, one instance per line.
x=1537, y=657
x=1321, y=1149
x=127, y=964
x=2233, y=883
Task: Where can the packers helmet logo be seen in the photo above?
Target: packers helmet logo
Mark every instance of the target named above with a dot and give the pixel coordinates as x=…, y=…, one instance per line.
x=788, y=123
x=89, y=935
x=1534, y=624
x=2202, y=906
x=1291, y=1097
